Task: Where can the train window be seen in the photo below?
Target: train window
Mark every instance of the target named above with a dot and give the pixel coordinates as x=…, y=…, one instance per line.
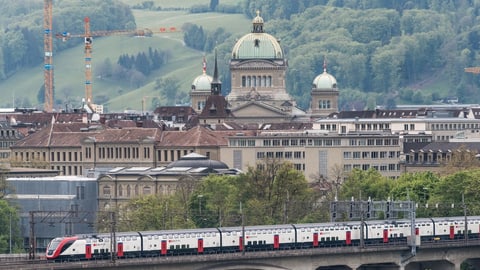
x=95, y=251
x=172, y=247
x=177, y=246
x=401, y=235
x=249, y=243
x=184, y=246
x=254, y=243
x=188, y=246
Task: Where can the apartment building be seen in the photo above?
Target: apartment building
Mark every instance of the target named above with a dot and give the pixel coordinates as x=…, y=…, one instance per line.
x=317, y=152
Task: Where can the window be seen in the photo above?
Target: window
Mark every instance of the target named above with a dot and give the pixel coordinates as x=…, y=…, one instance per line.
x=106, y=190
x=80, y=192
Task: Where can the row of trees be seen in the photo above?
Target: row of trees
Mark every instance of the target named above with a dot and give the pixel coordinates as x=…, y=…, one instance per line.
x=200, y=39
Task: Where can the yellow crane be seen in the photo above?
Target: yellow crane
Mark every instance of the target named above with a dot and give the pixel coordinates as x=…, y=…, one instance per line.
x=475, y=70
x=48, y=54
x=88, y=39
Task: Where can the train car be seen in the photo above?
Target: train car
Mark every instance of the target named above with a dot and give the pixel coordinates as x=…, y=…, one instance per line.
x=263, y=237
x=64, y=248
x=181, y=242
x=326, y=234
x=453, y=228
x=128, y=245
x=232, y=239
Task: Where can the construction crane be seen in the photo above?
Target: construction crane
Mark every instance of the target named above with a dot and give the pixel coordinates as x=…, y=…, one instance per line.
x=475, y=70
x=88, y=39
x=48, y=54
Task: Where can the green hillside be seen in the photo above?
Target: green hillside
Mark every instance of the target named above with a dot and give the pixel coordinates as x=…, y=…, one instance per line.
x=69, y=73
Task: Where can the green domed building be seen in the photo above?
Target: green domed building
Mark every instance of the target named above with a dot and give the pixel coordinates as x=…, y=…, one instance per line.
x=324, y=95
x=257, y=69
x=200, y=89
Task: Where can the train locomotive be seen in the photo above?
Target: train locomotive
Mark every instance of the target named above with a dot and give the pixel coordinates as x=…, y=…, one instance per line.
x=260, y=238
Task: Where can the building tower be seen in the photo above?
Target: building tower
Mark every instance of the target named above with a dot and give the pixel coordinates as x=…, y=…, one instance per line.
x=324, y=94
x=217, y=109
x=201, y=88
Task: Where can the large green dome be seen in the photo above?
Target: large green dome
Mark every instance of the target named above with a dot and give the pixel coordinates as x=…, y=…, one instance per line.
x=257, y=44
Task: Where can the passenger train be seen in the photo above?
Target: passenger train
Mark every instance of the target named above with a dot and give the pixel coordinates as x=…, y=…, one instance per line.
x=259, y=238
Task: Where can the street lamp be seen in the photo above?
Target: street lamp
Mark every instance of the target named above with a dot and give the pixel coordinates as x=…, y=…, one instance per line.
x=200, y=203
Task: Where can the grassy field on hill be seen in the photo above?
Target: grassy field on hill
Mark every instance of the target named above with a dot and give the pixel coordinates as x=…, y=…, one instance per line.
x=69, y=72
x=179, y=4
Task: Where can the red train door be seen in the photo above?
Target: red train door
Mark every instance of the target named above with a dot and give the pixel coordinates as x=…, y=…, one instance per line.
x=348, y=237
x=452, y=232
x=315, y=239
x=163, y=247
x=120, y=249
x=200, y=245
x=88, y=251
x=385, y=235
x=276, y=241
x=240, y=243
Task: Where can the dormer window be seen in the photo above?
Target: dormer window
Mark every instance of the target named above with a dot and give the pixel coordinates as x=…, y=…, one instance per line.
x=257, y=42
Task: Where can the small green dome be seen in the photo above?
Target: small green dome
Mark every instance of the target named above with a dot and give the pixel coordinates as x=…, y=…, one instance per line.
x=257, y=44
x=325, y=81
x=202, y=83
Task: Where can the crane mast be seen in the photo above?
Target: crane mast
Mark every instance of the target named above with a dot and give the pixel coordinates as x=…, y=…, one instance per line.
x=48, y=54
x=88, y=63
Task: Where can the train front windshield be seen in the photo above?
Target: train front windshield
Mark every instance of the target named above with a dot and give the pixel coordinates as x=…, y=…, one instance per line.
x=53, y=245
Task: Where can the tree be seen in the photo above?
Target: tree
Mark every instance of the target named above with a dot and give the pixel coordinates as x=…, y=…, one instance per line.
x=215, y=202
x=366, y=184
x=154, y=212
x=9, y=228
x=461, y=159
x=282, y=190
x=168, y=88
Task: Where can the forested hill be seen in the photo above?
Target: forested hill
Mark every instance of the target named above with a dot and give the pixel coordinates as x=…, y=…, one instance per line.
x=381, y=52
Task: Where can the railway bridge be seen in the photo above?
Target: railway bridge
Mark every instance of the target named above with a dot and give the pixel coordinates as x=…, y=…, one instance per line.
x=444, y=256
